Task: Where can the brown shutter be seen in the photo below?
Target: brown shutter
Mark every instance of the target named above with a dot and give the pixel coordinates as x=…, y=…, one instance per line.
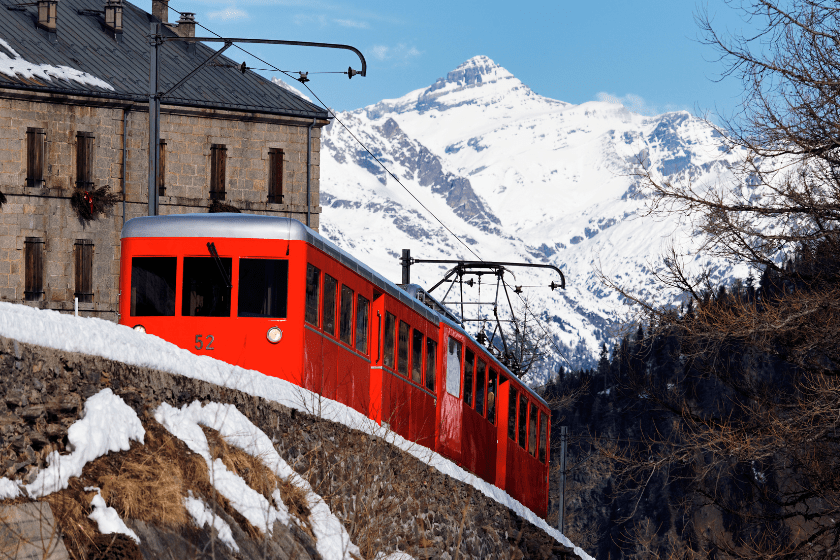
x=218, y=161
x=35, y=144
x=275, y=175
x=161, y=169
x=84, y=160
x=84, y=270
x=33, y=265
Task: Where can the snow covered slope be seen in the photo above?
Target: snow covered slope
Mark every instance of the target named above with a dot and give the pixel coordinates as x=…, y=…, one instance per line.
x=517, y=176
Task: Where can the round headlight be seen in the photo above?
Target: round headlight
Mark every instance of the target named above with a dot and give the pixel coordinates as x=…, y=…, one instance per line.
x=274, y=335
x=140, y=328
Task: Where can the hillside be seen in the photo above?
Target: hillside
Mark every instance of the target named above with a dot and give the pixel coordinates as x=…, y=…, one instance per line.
x=142, y=449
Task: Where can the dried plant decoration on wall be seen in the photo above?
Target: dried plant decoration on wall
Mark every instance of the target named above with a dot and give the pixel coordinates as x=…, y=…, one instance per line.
x=89, y=204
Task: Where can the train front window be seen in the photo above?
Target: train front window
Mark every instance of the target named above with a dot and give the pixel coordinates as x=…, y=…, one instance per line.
x=205, y=288
x=532, y=430
x=491, y=397
x=362, y=312
x=431, y=360
x=512, y=414
x=313, y=286
x=523, y=419
x=263, y=288
x=417, y=356
x=330, y=291
x=543, y=436
x=480, y=372
x=345, y=326
x=402, y=349
x=469, y=363
x=153, y=286
x=453, y=368
x=389, y=340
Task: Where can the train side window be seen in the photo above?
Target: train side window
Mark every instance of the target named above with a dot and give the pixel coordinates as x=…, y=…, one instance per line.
x=263, y=288
x=402, y=349
x=532, y=430
x=512, y=414
x=491, y=396
x=469, y=364
x=431, y=360
x=543, y=436
x=389, y=339
x=345, y=326
x=313, y=286
x=205, y=290
x=153, y=286
x=362, y=316
x=330, y=291
x=417, y=356
x=453, y=368
x=480, y=372
x=523, y=420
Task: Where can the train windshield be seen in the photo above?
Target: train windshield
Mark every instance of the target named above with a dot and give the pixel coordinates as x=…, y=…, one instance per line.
x=206, y=291
x=263, y=288
x=153, y=286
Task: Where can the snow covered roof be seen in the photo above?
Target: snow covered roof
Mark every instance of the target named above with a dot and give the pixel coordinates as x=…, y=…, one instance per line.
x=86, y=60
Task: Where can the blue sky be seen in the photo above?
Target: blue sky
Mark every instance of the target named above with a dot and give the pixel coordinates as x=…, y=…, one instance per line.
x=644, y=53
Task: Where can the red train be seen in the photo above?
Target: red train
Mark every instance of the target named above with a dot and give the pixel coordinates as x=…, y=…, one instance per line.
x=269, y=294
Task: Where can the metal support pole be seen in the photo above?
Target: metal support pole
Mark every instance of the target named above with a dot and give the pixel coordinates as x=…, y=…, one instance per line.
x=154, y=118
x=561, y=525
x=406, y=266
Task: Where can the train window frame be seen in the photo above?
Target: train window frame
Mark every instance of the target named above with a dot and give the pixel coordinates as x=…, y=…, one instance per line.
x=330, y=291
x=480, y=386
x=403, y=349
x=173, y=286
x=431, y=364
x=389, y=340
x=280, y=312
x=210, y=273
x=469, y=376
x=513, y=402
x=522, y=422
x=312, y=295
x=362, y=323
x=346, y=323
x=453, y=366
x=491, y=403
x=542, y=444
x=416, y=367
x=532, y=429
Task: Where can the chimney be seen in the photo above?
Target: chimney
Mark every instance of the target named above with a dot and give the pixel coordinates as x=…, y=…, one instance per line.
x=186, y=25
x=160, y=9
x=48, y=15
x=114, y=15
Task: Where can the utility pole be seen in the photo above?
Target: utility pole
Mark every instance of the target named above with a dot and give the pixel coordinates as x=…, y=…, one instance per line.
x=561, y=525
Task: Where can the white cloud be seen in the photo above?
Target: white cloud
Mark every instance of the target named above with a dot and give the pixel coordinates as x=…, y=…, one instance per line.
x=352, y=23
x=637, y=104
x=321, y=20
x=229, y=14
x=399, y=53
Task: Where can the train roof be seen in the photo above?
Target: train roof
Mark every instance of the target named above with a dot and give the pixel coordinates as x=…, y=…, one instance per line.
x=254, y=226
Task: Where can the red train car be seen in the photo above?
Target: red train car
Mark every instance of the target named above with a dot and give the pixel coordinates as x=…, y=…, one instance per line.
x=269, y=294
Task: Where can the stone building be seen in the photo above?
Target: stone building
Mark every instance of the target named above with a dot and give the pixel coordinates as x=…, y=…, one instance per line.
x=74, y=82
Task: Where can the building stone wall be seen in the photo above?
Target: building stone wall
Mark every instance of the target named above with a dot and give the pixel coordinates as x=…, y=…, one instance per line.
x=189, y=133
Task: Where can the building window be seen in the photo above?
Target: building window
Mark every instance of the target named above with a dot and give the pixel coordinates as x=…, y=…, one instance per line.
x=275, y=175
x=161, y=180
x=84, y=160
x=36, y=140
x=218, y=163
x=84, y=270
x=33, y=265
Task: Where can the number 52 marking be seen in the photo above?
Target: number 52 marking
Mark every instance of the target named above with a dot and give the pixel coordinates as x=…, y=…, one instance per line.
x=199, y=343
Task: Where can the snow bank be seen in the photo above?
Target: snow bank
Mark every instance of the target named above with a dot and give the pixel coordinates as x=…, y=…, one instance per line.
x=107, y=518
x=108, y=424
x=15, y=65
x=201, y=514
x=117, y=342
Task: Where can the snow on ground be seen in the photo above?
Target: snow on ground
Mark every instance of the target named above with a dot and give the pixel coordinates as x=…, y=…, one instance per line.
x=117, y=342
x=202, y=515
x=107, y=518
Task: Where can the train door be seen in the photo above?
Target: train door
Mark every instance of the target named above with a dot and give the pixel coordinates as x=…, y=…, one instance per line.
x=377, y=406
x=449, y=427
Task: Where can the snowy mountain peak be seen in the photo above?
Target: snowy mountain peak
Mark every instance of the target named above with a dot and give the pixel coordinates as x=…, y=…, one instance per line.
x=475, y=71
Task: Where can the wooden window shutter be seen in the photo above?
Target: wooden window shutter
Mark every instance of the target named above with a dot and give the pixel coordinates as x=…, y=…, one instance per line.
x=84, y=160
x=161, y=169
x=36, y=140
x=33, y=265
x=84, y=270
x=275, y=175
x=218, y=161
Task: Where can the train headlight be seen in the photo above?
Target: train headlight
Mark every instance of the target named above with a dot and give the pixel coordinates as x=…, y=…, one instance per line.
x=140, y=328
x=274, y=335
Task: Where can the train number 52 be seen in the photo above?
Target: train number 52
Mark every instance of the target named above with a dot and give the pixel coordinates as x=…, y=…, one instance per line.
x=199, y=343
